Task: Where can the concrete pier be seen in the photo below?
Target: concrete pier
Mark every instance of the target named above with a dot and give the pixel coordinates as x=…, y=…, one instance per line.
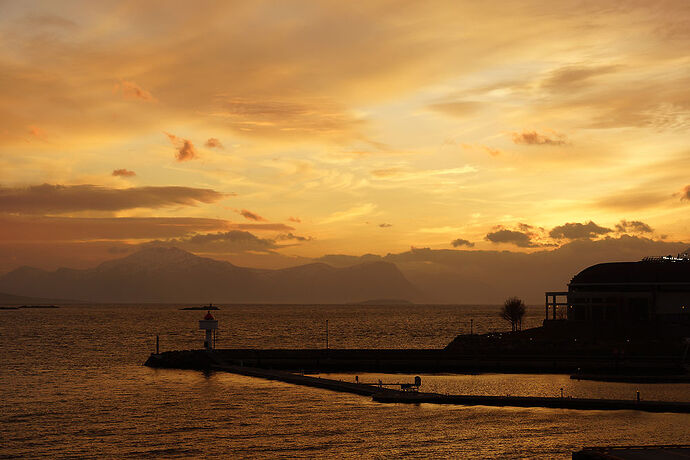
x=418, y=361
x=306, y=380
x=534, y=401
x=633, y=453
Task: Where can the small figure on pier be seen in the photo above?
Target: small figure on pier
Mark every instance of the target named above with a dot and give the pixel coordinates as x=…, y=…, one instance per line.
x=210, y=325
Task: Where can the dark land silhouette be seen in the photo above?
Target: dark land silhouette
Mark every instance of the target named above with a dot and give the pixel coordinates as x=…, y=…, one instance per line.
x=171, y=275
x=9, y=299
x=489, y=277
x=419, y=275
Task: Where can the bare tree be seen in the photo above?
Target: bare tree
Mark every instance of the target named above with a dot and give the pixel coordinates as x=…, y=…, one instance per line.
x=513, y=310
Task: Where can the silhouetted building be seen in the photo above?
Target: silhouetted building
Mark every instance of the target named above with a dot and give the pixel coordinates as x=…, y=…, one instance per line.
x=655, y=288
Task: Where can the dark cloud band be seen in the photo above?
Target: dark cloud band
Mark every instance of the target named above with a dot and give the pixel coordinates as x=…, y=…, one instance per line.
x=48, y=198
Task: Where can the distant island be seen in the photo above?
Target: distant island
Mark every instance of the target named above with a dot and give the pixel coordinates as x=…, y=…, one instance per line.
x=207, y=307
x=386, y=302
x=29, y=306
x=15, y=301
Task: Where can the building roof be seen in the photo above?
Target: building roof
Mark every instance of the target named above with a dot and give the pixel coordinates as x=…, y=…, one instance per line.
x=635, y=272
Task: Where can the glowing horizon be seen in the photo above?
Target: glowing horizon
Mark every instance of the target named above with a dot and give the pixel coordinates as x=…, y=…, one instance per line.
x=299, y=129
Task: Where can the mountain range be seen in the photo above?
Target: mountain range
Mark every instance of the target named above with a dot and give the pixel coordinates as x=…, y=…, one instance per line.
x=171, y=275
x=168, y=274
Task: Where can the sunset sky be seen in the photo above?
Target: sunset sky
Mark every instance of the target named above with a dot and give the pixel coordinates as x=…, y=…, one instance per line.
x=268, y=133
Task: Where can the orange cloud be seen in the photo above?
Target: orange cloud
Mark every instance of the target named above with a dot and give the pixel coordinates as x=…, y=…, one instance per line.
x=124, y=173
x=131, y=90
x=36, y=132
x=491, y=151
x=287, y=118
x=295, y=219
x=534, y=138
x=214, y=143
x=685, y=193
x=185, y=148
x=250, y=215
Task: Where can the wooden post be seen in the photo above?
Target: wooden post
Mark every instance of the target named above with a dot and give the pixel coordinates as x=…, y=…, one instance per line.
x=157, y=343
x=326, y=334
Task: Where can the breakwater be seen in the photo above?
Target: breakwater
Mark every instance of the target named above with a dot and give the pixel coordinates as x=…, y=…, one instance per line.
x=534, y=401
x=306, y=380
x=259, y=361
x=415, y=361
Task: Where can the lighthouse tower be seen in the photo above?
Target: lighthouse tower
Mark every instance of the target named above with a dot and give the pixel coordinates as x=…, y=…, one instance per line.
x=210, y=325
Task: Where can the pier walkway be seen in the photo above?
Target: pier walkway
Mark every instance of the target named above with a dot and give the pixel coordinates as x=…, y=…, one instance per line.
x=198, y=359
x=535, y=401
x=386, y=395
x=306, y=380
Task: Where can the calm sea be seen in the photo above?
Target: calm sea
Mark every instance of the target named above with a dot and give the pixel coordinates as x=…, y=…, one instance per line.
x=72, y=385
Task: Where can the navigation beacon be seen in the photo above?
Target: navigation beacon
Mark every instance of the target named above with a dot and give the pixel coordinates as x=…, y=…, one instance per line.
x=210, y=325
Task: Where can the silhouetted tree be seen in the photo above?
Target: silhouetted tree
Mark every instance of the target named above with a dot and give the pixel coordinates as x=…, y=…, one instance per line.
x=513, y=310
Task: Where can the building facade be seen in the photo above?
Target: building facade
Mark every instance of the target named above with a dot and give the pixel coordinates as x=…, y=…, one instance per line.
x=653, y=289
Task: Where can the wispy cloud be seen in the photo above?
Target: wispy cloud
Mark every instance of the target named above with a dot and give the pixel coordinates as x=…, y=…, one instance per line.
x=349, y=214
x=408, y=174
x=250, y=215
x=289, y=118
x=456, y=108
x=634, y=199
x=233, y=241
x=572, y=77
x=292, y=237
x=131, y=90
x=491, y=151
x=439, y=230
x=263, y=227
x=633, y=226
x=535, y=138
